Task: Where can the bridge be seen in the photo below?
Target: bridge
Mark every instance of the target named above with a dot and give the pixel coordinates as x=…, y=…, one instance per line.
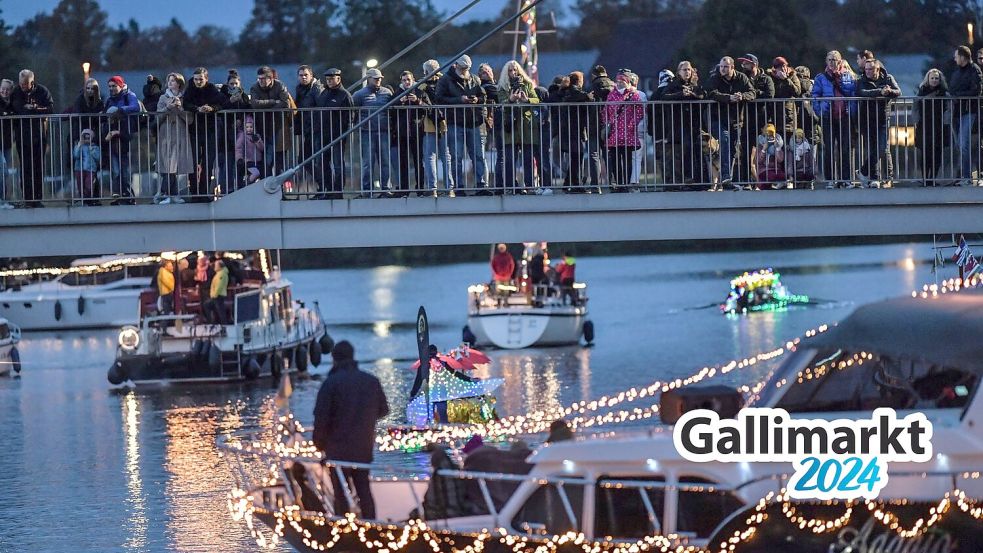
x=251, y=217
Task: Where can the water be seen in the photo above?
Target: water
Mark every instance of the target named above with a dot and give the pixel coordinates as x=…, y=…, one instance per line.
x=87, y=468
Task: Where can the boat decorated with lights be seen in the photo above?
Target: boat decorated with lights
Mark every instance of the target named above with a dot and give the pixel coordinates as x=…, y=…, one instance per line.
x=761, y=290
x=264, y=331
x=99, y=292
x=9, y=354
x=635, y=492
x=530, y=310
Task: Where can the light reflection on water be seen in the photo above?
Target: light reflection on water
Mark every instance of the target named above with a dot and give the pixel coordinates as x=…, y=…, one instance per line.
x=139, y=470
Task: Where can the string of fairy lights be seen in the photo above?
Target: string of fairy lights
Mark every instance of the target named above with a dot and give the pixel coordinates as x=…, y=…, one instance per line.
x=397, y=537
x=110, y=265
x=392, y=538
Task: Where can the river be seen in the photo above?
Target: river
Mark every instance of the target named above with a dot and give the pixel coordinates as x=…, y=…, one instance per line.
x=84, y=467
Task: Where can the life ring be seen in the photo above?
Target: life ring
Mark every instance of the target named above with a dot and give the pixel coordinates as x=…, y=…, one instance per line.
x=300, y=358
x=117, y=374
x=57, y=310
x=315, y=353
x=81, y=305
x=15, y=359
x=589, y=332
x=250, y=368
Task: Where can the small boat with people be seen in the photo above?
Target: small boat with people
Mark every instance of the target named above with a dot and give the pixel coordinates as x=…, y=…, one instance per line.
x=9, y=354
x=239, y=323
x=636, y=492
x=98, y=292
x=532, y=304
x=760, y=290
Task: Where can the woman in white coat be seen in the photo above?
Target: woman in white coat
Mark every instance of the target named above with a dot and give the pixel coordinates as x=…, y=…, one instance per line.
x=173, y=139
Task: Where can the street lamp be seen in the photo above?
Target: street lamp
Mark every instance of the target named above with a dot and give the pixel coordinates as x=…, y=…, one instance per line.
x=366, y=65
x=969, y=30
x=85, y=70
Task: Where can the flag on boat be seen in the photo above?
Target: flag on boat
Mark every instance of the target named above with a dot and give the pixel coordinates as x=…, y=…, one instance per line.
x=972, y=267
x=961, y=250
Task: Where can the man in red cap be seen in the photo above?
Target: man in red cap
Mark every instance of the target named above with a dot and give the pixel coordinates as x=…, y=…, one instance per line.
x=121, y=106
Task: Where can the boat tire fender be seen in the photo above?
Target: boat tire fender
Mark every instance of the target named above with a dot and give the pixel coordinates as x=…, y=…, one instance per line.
x=276, y=364
x=57, y=310
x=315, y=352
x=81, y=305
x=198, y=348
x=589, y=332
x=300, y=358
x=214, y=357
x=327, y=344
x=467, y=336
x=250, y=368
x=117, y=374
x=15, y=360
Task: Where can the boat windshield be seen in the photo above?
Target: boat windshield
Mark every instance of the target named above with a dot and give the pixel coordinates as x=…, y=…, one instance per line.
x=92, y=279
x=843, y=380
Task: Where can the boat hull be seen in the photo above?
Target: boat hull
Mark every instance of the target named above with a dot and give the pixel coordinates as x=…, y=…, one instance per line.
x=60, y=310
x=523, y=327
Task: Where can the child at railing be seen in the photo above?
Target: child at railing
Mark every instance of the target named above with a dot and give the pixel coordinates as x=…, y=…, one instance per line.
x=85, y=159
x=804, y=169
x=770, y=158
x=250, y=152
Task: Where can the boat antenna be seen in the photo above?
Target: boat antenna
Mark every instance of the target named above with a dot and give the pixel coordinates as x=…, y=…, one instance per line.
x=416, y=42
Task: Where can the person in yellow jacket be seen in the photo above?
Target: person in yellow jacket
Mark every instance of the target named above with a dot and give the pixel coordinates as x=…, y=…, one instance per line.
x=165, y=287
x=216, y=294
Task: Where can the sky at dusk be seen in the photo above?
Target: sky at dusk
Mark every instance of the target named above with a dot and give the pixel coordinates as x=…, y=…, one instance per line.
x=231, y=14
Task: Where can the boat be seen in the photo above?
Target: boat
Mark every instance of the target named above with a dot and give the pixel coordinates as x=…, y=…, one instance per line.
x=453, y=396
x=99, y=292
x=636, y=492
x=9, y=355
x=527, y=313
x=761, y=290
x=269, y=333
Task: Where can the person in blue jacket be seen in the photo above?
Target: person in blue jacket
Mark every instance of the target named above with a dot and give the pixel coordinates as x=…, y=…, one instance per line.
x=836, y=117
x=122, y=107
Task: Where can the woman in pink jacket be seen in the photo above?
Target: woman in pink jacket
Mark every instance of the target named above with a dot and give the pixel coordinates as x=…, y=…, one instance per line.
x=250, y=152
x=622, y=113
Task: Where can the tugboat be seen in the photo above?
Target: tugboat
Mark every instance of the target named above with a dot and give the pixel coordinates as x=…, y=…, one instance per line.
x=9, y=355
x=635, y=492
x=761, y=290
x=268, y=332
x=534, y=311
x=99, y=292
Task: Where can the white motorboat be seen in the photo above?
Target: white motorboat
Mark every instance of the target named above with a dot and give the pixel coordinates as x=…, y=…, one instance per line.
x=527, y=313
x=637, y=493
x=9, y=355
x=101, y=292
x=268, y=332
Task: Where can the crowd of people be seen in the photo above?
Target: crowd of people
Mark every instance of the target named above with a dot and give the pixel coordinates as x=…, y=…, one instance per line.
x=470, y=132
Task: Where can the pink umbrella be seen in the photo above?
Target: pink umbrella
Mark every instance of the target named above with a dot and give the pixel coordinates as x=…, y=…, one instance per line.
x=450, y=361
x=475, y=356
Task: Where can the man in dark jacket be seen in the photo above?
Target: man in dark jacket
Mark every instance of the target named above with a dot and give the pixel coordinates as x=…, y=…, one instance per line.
x=687, y=121
x=878, y=88
x=307, y=123
x=600, y=86
x=494, y=121
x=204, y=99
x=732, y=90
x=573, y=128
x=336, y=118
x=760, y=113
x=965, y=83
x=271, y=95
x=460, y=88
x=348, y=405
x=787, y=85
x=31, y=135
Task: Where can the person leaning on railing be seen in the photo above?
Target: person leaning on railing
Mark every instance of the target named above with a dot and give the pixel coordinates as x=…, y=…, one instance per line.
x=31, y=99
x=516, y=94
x=122, y=107
x=929, y=119
x=966, y=84
x=307, y=122
x=622, y=114
x=271, y=96
x=731, y=90
x=203, y=99
x=878, y=88
x=231, y=121
x=336, y=118
x=836, y=117
x=686, y=121
x=573, y=131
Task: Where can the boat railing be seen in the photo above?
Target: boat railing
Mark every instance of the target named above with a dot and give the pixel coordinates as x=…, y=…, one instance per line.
x=497, y=295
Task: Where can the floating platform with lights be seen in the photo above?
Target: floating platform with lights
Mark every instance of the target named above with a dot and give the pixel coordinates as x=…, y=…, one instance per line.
x=9, y=354
x=268, y=332
x=100, y=292
x=634, y=492
x=761, y=290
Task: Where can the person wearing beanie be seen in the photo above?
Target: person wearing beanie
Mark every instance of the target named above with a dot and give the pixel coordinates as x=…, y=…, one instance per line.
x=435, y=148
x=348, y=405
x=462, y=89
x=121, y=104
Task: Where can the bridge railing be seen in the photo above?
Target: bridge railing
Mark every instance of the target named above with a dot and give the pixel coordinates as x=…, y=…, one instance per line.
x=512, y=148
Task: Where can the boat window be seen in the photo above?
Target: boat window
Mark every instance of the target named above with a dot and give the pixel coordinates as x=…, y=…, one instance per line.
x=621, y=512
x=846, y=381
x=109, y=276
x=701, y=511
x=78, y=279
x=546, y=512
x=4, y=331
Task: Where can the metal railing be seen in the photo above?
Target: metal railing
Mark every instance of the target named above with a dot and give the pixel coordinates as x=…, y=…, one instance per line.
x=485, y=149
